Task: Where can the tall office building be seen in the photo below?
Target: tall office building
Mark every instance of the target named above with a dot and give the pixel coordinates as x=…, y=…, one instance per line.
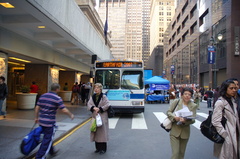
x=146, y=29
x=162, y=12
x=161, y=15
x=133, y=40
x=116, y=24
x=125, y=24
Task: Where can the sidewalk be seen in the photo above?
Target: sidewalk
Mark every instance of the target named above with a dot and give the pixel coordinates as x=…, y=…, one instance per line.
x=18, y=124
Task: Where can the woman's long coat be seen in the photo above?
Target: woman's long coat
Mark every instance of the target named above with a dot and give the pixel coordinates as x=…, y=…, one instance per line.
x=230, y=147
x=101, y=135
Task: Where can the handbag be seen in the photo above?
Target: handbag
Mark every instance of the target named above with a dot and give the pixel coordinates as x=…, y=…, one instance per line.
x=31, y=140
x=93, y=127
x=98, y=120
x=167, y=123
x=111, y=112
x=209, y=131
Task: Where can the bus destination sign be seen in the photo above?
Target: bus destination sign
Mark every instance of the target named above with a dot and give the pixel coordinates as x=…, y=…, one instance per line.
x=119, y=65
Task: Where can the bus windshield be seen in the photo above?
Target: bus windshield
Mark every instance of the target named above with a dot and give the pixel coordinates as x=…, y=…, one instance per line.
x=110, y=79
x=132, y=80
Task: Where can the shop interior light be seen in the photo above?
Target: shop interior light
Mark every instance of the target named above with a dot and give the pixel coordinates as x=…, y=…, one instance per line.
x=18, y=59
x=7, y=5
x=15, y=63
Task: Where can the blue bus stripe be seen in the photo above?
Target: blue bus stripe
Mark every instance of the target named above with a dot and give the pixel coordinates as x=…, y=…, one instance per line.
x=136, y=96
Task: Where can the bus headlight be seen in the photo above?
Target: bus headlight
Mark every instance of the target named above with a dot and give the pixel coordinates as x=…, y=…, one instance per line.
x=136, y=103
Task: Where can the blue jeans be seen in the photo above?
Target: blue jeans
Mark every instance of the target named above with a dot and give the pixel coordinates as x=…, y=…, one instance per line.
x=1, y=104
x=209, y=102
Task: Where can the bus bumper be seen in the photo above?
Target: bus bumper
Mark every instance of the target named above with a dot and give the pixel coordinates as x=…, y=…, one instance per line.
x=128, y=109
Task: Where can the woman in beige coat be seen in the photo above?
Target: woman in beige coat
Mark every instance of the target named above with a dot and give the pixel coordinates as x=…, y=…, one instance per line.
x=226, y=106
x=98, y=104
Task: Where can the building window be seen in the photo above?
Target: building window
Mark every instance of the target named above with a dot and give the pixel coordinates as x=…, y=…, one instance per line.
x=178, y=17
x=161, y=13
x=203, y=17
x=173, y=37
x=185, y=35
x=193, y=28
x=193, y=11
x=184, y=22
x=173, y=25
x=178, y=29
x=179, y=42
x=169, y=13
x=184, y=7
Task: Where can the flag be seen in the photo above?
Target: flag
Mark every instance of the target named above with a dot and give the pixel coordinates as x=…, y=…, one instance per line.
x=105, y=31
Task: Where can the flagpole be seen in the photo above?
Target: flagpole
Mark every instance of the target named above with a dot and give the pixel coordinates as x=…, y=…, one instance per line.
x=106, y=23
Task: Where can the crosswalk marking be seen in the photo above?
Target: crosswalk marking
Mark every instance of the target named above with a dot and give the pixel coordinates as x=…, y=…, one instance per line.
x=160, y=116
x=203, y=115
x=113, y=122
x=138, y=121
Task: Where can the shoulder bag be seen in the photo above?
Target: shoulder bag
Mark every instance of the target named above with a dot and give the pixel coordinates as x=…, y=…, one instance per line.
x=111, y=112
x=209, y=131
x=167, y=123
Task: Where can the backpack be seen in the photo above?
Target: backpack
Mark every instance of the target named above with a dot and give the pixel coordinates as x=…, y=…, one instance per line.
x=75, y=89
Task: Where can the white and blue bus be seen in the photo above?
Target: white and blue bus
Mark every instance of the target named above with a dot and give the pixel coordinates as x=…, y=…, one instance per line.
x=123, y=83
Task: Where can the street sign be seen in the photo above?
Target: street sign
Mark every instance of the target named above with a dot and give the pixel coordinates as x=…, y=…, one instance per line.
x=211, y=54
x=172, y=69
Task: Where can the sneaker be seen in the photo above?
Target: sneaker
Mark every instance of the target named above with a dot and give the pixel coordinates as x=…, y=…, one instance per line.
x=54, y=153
x=102, y=152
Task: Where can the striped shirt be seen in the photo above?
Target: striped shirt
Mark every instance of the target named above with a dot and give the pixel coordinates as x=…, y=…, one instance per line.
x=49, y=103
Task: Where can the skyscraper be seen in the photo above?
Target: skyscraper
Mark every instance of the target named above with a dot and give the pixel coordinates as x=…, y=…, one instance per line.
x=127, y=24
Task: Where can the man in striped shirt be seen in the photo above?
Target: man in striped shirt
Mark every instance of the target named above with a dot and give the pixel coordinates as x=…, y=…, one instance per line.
x=45, y=115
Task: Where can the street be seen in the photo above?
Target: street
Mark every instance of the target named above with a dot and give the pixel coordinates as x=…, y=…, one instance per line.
x=137, y=136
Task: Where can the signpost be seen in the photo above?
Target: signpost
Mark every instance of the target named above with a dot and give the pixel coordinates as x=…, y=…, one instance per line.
x=211, y=54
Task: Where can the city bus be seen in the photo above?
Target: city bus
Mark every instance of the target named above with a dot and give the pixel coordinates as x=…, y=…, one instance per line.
x=123, y=83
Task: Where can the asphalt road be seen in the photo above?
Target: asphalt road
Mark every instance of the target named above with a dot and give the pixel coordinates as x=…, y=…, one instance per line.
x=137, y=136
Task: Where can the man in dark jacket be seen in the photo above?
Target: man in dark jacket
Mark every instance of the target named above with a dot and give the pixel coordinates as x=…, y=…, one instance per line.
x=3, y=94
x=209, y=94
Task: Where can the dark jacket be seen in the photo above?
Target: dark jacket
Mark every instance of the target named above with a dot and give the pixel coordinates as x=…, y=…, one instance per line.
x=3, y=91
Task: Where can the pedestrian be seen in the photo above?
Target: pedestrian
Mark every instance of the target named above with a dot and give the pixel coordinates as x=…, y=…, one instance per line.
x=215, y=96
x=75, y=91
x=34, y=89
x=65, y=87
x=172, y=93
x=3, y=95
x=98, y=104
x=197, y=96
x=226, y=106
x=202, y=92
x=209, y=94
x=87, y=90
x=83, y=93
x=180, y=133
x=45, y=116
x=237, y=96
